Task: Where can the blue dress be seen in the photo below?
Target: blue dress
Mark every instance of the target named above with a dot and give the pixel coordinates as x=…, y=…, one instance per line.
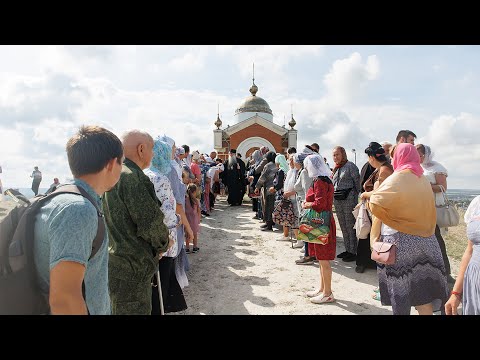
x=181, y=261
x=471, y=281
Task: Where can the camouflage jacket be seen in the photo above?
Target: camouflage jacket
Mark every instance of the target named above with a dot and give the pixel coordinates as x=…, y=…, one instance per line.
x=135, y=225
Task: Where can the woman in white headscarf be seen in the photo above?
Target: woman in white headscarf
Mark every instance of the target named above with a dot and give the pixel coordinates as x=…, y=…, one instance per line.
x=320, y=198
x=467, y=285
x=436, y=174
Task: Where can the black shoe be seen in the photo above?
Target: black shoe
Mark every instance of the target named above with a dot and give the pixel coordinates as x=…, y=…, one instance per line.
x=268, y=228
x=450, y=279
x=350, y=257
x=343, y=254
x=263, y=226
x=195, y=249
x=360, y=269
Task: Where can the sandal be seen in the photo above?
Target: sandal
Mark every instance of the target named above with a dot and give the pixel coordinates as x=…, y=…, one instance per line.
x=322, y=299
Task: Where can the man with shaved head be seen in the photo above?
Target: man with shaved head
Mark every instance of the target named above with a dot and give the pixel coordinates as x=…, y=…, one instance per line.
x=138, y=235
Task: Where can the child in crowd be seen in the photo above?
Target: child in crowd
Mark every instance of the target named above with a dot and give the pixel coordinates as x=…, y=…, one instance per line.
x=193, y=212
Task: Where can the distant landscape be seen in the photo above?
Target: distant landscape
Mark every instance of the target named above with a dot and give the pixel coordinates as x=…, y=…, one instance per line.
x=461, y=197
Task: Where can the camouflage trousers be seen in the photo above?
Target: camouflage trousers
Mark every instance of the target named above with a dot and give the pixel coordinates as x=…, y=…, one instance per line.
x=130, y=297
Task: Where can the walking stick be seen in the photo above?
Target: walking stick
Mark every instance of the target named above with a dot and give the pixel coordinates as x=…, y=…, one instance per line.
x=159, y=286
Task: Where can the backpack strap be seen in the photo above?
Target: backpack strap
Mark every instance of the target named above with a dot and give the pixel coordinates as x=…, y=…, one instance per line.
x=73, y=189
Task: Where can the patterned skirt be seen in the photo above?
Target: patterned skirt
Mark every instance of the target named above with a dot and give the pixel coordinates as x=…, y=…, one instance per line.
x=418, y=276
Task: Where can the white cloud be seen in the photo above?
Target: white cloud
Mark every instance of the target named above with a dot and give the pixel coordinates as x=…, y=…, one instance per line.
x=191, y=61
x=151, y=88
x=348, y=77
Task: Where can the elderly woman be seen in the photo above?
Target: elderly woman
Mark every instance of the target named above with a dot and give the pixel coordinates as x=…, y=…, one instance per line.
x=437, y=175
x=467, y=285
x=405, y=216
x=173, y=299
x=302, y=184
x=290, y=194
x=320, y=198
x=265, y=181
x=278, y=184
x=383, y=169
x=252, y=179
x=346, y=179
x=179, y=190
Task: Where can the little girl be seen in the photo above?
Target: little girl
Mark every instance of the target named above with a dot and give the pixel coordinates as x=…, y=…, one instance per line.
x=193, y=212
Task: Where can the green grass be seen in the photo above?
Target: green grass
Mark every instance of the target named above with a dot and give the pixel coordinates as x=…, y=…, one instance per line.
x=456, y=238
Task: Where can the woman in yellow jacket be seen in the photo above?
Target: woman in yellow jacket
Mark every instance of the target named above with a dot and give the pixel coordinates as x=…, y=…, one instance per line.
x=405, y=215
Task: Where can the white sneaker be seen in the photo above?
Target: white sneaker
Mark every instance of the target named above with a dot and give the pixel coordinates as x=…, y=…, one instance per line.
x=299, y=244
x=314, y=293
x=322, y=299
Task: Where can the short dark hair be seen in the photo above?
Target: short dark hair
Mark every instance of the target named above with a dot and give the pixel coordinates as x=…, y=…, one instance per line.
x=271, y=155
x=376, y=150
x=420, y=147
x=239, y=155
x=405, y=134
x=291, y=150
x=186, y=148
x=91, y=148
x=316, y=146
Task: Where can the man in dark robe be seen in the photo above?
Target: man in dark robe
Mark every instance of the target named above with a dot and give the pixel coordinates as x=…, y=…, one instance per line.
x=234, y=178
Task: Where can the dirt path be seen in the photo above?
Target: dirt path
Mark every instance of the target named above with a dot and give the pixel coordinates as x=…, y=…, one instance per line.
x=242, y=270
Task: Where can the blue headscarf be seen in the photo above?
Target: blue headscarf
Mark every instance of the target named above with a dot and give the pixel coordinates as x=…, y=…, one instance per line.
x=300, y=157
x=280, y=160
x=162, y=155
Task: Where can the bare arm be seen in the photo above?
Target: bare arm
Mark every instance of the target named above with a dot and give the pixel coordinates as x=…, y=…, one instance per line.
x=452, y=304
x=66, y=289
x=440, y=179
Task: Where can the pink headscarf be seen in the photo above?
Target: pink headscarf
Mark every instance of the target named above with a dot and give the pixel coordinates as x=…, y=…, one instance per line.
x=406, y=158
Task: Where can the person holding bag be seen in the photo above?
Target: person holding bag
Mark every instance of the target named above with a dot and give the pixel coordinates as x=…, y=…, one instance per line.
x=320, y=198
x=346, y=181
x=405, y=216
x=383, y=169
x=437, y=175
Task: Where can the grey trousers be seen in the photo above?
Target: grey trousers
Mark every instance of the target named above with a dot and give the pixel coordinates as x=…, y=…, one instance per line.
x=346, y=219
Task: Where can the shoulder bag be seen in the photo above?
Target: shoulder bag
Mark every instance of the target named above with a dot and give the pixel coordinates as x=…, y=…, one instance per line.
x=447, y=214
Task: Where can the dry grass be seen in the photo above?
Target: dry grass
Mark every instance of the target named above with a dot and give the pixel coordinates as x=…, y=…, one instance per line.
x=456, y=238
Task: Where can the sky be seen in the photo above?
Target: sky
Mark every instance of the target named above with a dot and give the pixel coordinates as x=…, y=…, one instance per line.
x=340, y=95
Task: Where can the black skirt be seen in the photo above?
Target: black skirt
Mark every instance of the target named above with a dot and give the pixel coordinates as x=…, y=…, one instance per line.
x=172, y=294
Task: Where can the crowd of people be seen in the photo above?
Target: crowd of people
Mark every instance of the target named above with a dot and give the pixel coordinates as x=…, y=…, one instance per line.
x=401, y=186
x=154, y=193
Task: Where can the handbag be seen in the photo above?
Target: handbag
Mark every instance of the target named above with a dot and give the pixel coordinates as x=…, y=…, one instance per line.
x=315, y=227
x=363, y=223
x=447, y=214
x=341, y=194
x=283, y=213
x=384, y=253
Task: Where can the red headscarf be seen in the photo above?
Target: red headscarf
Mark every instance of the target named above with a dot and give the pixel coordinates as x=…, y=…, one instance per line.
x=406, y=158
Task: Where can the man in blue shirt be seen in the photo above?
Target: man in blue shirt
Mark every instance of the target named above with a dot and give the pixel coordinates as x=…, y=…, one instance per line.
x=67, y=225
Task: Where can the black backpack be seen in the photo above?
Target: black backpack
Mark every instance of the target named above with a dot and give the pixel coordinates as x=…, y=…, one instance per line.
x=19, y=290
